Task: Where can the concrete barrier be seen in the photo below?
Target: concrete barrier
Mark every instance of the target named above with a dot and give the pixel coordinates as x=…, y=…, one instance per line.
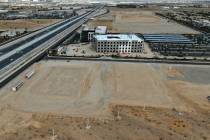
x=139, y=60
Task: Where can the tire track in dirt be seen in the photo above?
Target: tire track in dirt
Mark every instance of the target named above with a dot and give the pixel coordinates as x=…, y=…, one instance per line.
x=88, y=81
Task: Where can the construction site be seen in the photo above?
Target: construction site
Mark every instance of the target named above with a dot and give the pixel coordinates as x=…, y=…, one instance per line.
x=103, y=98
x=107, y=100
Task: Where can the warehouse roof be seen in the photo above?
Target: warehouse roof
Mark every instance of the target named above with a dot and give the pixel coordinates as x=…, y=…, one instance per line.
x=118, y=37
x=167, y=38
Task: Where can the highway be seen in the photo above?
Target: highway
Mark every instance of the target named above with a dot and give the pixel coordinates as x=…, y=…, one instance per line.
x=24, y=50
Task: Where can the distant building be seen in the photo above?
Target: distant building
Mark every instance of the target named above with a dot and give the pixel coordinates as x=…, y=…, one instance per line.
x=118, y=43
x=201, y=23
x=35, y=1
x=176, y=7
x=25, y=1
x=165, y=8
x=206, y=23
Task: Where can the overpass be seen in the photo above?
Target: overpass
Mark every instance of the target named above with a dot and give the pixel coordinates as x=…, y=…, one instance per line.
x=16, y=55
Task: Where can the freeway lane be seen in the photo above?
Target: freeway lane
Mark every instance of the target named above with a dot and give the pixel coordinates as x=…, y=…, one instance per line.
x=16, y=60
x=17, y=43
x=19, y=51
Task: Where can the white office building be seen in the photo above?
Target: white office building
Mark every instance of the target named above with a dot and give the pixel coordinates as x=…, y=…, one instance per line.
x=118, y=43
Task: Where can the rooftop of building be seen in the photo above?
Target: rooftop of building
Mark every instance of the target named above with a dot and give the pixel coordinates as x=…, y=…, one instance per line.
x=118, y=37
x=86, y=28
x=101, y=30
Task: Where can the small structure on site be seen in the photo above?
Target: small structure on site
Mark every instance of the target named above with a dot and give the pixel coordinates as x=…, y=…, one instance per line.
x=175, y=45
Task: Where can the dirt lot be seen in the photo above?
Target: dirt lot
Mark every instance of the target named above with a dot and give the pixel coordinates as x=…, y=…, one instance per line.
x=88, y=50
x=105, y=100
x=30, y=24
x=138, y=21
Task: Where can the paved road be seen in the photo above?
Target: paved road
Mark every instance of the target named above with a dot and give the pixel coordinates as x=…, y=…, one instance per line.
x=24, y=49
x=20, y=41
x=14, y=50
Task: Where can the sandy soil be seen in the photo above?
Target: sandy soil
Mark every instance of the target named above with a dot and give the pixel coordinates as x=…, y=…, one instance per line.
x=30, y=24
x=89, y=51
x=128, y=122
x=117, y=100
x=138, y=21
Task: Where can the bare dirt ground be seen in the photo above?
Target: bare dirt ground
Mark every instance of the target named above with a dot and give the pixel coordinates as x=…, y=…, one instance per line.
x=30, y=24
x=88, y=50
x=105, y=100
x=138, y=21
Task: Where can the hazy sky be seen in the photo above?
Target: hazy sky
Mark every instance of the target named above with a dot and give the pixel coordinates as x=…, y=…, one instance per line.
x=146, y=0
x=141, y=1
x=118, y=1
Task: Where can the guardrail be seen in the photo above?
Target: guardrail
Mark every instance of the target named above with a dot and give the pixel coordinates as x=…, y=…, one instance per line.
x=138, y=60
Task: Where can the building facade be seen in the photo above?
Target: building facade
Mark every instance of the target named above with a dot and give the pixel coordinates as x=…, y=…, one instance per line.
x=88, y=33
x=118, y=43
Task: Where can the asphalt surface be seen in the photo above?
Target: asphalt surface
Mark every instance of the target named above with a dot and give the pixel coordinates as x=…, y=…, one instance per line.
x=17, y=49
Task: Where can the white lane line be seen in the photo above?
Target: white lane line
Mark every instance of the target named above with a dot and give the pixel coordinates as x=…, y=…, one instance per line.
x=9, y=54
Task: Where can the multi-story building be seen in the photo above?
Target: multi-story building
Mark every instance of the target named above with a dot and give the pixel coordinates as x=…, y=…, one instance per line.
x=118, y=43
x=88, y=33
